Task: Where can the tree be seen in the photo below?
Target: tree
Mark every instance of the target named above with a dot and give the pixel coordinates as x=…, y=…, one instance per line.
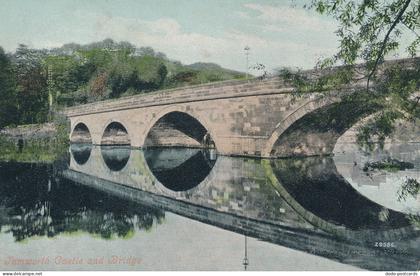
x=8, y=109
x=32, y=88
x=151, y=72
x=370, y=31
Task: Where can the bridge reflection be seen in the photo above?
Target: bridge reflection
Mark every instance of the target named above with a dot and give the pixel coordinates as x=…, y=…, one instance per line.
x=179, y=169
x=300, y=203
x=116, y=158
x=317, y=186
x=80, y=152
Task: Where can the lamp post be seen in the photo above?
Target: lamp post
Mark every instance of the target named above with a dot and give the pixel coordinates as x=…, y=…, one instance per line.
x=245, y=261
x=50, y=90
x=247, y=49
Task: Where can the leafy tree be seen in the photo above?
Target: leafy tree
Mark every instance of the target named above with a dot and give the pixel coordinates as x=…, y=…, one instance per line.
x=32, y=92
x=98, y=86
x=65, y=74
x=121, y=73
x=370, y=31
x=151, y=72
x=37, y=82
x=8, y=104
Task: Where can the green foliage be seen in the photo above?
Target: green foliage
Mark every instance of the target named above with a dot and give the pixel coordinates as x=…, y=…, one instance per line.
x=199, y=73
x=34, y=150
x=31, y=90
x=8, y=100
x=410, y=187
x=414, y=220
x=377, y=129
x=34, y=84
x=314, y=81
x=388, y=164
x=151, y=72
x=369, y=31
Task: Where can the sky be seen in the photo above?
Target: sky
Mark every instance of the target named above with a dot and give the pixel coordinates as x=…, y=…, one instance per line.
x=280, y=33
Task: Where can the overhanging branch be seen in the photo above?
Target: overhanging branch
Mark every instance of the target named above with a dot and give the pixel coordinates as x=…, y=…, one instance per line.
x=385, y=41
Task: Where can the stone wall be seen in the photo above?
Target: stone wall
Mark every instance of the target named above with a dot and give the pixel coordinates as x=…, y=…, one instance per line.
x=27, y=132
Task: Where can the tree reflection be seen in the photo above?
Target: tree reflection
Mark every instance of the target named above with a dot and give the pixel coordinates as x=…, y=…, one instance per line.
x=32, y=203
x=410, y=187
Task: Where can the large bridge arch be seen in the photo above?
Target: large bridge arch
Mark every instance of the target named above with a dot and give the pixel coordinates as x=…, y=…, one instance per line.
x=303, y=110
x=181, y=110
x=315, y=127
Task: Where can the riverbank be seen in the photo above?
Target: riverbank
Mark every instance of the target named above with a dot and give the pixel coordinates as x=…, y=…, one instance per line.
x=29, y=132
x=41, y=143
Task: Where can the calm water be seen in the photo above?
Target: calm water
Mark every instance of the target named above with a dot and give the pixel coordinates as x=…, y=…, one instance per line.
x=115, y=208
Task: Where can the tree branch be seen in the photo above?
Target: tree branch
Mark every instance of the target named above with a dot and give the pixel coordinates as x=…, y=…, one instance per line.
x=415, y=104
x=413, y=31
x=386, y=38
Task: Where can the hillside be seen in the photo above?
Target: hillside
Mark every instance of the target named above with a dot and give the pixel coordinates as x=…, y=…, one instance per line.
x=36, y=82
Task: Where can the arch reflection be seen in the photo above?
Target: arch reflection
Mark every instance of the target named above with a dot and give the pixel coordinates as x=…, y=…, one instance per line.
x=81, y=152
x=180, y=169
x=116, y=158
x=316, y=185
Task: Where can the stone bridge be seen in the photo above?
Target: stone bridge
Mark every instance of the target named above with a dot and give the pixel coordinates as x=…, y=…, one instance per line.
x=261, y=118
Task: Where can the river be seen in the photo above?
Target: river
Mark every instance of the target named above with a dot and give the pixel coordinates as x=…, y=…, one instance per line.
x=117, y=208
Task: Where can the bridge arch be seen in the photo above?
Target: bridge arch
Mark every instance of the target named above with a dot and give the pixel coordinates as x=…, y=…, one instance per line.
x=303, y=110
x=80, y=134
x=315, y=127
x=200, y=130
x=115, y=132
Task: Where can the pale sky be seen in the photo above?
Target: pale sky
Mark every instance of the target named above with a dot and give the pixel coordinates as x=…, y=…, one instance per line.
x=279, y=33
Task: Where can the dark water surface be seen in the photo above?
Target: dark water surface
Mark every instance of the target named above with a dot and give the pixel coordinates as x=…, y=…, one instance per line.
x=114, y=208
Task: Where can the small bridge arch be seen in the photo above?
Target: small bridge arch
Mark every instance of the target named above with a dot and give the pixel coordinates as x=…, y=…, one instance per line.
x=80, y=133
x=115, y=132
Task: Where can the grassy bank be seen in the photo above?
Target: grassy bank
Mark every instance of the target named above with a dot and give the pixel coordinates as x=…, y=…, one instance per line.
x=45, y=150
x=35, y=149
